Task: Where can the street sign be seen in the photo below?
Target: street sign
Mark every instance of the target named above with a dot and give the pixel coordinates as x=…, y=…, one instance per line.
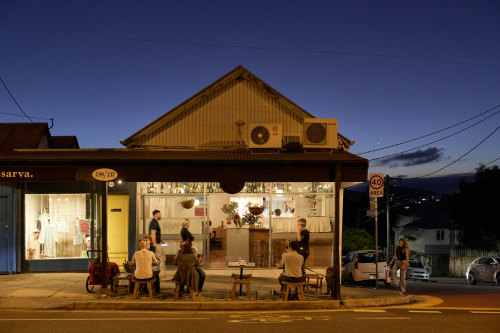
x=376, y=183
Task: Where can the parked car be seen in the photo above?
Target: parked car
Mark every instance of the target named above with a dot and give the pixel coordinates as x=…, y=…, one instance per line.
x=360, y=266
x=486, y=269
x=417, y=271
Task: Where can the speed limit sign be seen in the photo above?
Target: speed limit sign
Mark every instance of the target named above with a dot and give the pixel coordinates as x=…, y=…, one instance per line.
x=376, y=185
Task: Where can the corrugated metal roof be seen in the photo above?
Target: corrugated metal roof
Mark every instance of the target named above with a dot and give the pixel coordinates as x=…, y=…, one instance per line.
x=151, y=156
x=23, y=135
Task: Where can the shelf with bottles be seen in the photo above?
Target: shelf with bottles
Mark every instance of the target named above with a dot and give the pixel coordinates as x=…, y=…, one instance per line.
x=178, y=187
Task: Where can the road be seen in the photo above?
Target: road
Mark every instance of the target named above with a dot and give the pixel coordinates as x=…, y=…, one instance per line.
x=440, y=307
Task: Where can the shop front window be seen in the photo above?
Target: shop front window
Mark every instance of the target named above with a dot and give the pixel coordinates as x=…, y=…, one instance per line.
x=57, y=226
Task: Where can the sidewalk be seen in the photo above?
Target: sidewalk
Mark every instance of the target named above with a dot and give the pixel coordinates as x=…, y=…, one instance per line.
x=67, y=291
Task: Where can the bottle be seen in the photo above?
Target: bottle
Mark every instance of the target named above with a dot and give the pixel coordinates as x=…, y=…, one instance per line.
x=162, y=189
x=263, y=189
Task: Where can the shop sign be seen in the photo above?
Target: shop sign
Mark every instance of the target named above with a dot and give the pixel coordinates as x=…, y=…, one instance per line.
x=16, y=174
x=104, y=175
x=376, y=185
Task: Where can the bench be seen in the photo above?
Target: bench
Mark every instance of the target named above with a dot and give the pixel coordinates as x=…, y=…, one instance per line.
x=317, y=284
x=126, y=277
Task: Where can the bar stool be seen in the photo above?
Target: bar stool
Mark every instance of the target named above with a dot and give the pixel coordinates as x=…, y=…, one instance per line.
x=298, y=285
x=259, y=255
x=125, y=277
x=149, y=283
x=318, y=284
x=236, y=281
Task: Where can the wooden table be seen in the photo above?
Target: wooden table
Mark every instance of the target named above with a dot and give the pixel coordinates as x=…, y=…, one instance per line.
x=237, y=264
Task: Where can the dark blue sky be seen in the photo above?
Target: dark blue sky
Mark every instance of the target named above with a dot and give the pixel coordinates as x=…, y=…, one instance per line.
x=103, y=90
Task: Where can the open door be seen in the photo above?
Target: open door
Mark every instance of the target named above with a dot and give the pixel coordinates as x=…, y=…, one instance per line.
x=118, y=228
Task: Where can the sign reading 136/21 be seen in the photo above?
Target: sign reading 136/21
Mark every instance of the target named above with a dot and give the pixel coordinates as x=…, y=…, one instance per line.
x=376, y=187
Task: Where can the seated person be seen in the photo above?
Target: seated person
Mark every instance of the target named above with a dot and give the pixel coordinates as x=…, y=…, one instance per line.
x=187, y=273
x=293, y=263
x=144, y=261
x=151, y=247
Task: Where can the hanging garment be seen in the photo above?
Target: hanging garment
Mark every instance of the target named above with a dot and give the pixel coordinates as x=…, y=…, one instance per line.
x=50, y=240
x=77, y=234
x=62, y=227
x=84, y=226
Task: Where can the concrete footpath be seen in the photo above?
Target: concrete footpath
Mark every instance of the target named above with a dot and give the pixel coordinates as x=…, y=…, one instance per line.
x=67, y=291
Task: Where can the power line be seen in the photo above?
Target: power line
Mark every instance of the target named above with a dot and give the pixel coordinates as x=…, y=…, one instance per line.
x=255, y=47
x=426, y=135
x=19, y=106
x=441, y=139
x=458, y=159
x=18, y=115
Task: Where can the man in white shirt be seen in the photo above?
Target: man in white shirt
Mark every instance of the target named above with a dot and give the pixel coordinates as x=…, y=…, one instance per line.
x=144, y=261
x=293, y=263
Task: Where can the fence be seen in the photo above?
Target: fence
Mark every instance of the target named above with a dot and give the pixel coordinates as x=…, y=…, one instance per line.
x=460, y=258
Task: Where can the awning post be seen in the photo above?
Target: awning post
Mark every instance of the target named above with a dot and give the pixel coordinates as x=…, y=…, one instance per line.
x=336, y=236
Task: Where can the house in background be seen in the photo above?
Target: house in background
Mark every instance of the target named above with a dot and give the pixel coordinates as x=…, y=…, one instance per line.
x=21, y=136
x=427, y=229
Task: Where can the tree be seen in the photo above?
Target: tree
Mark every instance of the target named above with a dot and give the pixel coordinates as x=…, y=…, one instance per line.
x=476, y=213
x=356, y=239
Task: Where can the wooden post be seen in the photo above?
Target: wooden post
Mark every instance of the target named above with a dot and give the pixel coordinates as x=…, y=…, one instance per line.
x=104, y=236
x=336, y=236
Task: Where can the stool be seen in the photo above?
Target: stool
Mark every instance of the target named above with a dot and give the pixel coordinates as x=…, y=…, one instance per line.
x=178, y=287
x=289, y=285
x=260, y=254
x=237, y=281
x=149, y=284
x=117, y=286
x=318, y=284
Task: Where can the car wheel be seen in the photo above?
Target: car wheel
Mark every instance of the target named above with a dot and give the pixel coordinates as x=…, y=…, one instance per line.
x=351, y=279
x=471, y=278
x=498, y=279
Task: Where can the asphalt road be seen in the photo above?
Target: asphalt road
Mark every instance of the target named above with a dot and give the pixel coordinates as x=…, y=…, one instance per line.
x=362, y=320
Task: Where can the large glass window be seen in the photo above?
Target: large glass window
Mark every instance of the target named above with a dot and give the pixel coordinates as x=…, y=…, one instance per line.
x=57, y=225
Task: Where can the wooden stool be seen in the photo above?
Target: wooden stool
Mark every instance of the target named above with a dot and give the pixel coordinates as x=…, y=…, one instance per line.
x=178, y=287
x=149, y=284
x=318, y=284
x=289, y=285
x=117, y=286
x=236, y=282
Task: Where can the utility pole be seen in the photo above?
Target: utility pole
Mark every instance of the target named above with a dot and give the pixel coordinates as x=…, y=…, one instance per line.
x=387, y=208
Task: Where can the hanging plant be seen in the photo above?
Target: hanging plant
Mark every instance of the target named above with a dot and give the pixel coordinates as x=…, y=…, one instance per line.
x=255, y=210
x=187, y=204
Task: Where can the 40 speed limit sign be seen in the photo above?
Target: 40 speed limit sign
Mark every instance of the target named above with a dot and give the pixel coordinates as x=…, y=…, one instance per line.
x=376, y=185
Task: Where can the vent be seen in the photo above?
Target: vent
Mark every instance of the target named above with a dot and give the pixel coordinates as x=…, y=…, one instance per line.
x=320, y=133
x=265, y=136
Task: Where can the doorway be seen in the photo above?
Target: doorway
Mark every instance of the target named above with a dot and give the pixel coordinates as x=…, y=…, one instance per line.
x=118, y=228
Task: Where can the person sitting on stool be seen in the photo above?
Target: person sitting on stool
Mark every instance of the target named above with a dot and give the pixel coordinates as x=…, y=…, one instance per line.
x=144, y=261
x=293, y=263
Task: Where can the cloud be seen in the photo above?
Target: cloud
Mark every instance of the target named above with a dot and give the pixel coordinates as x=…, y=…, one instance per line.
x=418, y=157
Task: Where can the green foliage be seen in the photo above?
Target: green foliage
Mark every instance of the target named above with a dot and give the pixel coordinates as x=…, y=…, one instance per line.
x=476, y=213
x=356, y=239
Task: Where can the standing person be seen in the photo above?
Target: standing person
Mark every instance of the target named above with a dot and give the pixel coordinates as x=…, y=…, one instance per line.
x=185, y=233
x=303, y=238
x=155, y=233
x=401, y=261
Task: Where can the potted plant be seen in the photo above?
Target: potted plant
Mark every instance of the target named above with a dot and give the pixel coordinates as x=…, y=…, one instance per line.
x=255, y=210
x=251, y=219
x=230, y=210
x=187, y=203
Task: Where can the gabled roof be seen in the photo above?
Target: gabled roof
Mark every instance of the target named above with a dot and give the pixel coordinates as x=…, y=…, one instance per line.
x=65, y=142
x=237, y=73
x=441, y=222
x=23, y=135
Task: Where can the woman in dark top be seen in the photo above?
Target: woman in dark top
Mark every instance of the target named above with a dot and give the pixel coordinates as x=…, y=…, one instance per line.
x=185, y=234
x=401, y=261
x=303, y=239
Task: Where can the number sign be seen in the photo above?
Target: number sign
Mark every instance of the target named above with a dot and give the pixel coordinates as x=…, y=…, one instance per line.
x=376, y=185
x=104, y=174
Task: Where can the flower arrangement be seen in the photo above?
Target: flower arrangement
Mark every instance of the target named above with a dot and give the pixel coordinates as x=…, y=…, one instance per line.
x=250, y=219
x=230, y=210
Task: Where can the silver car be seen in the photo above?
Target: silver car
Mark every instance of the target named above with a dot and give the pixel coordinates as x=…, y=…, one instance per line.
x=486, y=269
x=417, y=271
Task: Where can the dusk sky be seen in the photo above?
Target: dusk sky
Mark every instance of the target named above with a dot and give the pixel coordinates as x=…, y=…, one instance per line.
x=443, y=67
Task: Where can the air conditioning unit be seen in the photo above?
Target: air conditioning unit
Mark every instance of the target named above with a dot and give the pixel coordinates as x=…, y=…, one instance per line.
x=320, y=133
x=265, y=136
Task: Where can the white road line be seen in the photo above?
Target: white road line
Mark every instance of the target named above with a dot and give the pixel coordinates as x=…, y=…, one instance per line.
x=382, y=318
x=424, y=311
x=102, y=319
x=486, y=312
x=369, y=310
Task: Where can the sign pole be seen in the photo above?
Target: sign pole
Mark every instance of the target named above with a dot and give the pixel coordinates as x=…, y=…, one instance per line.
x=376, y=190
x=104, y=236
x=376, y=243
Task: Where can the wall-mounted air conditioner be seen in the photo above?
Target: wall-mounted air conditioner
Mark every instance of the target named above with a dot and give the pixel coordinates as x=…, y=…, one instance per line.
x=265, y=136
x=320, y=133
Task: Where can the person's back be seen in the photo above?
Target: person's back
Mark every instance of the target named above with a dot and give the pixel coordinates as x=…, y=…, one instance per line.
x=186, y=273
x=144, y=261
x=293, y=264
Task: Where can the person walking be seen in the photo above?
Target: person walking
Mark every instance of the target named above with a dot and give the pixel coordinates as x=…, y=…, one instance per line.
x=401, y=260
x=155, y=233
x=303, y=239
